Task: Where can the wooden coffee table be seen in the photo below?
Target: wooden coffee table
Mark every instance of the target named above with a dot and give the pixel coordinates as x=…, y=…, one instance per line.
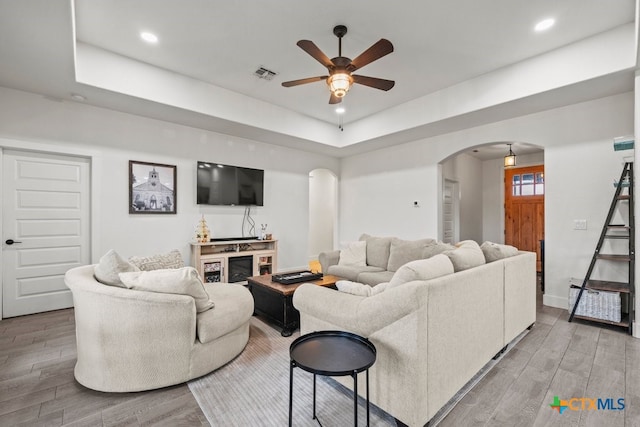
x=273, y=300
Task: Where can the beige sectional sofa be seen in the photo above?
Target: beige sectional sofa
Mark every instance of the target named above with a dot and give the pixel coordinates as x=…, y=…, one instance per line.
x=384, y=256
x=432, y=336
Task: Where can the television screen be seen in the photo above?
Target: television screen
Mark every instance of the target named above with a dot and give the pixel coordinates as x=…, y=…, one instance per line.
x=227, y=185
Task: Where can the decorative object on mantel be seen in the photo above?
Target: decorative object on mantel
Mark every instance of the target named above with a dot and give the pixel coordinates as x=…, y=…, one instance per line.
x=152, y=188
x=510, y=159
x=202, y=231
x=263, y=231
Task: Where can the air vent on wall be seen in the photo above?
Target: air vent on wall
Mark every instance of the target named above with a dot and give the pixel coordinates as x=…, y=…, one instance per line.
x=263, y=73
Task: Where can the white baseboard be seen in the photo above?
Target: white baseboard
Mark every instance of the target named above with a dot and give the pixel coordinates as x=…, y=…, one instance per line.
x=555, y=301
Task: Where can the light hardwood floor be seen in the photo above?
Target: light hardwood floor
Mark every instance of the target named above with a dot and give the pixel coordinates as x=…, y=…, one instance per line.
x=37, y=355
x=37, y=388
x=557, y=358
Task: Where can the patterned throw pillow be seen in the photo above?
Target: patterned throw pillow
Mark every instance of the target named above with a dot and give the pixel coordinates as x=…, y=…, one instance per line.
x=182, y=281
x=172, y=259
x=108, y=268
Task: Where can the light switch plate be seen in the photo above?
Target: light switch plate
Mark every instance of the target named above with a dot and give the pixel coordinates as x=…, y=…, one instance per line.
x=579, y=224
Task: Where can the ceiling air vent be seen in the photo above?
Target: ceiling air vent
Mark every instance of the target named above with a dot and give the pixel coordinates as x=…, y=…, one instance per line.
x=263, y=73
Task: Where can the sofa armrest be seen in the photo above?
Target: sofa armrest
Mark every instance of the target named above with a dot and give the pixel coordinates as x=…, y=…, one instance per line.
x=327, y=259
x=362, y=315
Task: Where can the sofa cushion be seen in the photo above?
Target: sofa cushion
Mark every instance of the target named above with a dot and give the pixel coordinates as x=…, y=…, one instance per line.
x=360, y=289
x=422, y=269
x=182, y=281
x=436, y=248
x=377, y=250
x=467, y=254
x=110, y=266
x=351, y=272
x=404, y=251
x=354, y=288
x=234, y=307
x=495, y=251
x=354, y=253
x=171, y=259
x=374, y=277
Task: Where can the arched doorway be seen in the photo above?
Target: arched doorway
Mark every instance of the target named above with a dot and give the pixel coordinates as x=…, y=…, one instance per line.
x=479, y=174
x=323, y=212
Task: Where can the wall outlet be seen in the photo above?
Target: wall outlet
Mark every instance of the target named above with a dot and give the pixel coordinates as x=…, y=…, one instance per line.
x=579, y=224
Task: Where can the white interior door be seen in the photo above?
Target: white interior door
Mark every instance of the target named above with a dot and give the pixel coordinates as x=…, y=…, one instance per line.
x=45, y=211
x=450, y=213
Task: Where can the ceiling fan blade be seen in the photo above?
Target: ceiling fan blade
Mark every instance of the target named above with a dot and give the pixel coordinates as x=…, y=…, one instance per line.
x=374, y=82
x=379, y=49
x=313, y=50
x=334, y=99
x=304, y=81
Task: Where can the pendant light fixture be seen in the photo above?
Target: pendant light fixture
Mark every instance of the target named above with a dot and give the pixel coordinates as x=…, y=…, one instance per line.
x=510, y=159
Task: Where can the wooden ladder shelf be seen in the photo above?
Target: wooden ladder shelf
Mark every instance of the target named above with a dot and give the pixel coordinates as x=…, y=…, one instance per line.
x=611, y=232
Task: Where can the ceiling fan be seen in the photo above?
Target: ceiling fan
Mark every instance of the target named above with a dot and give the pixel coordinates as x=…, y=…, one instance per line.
x=340, y=68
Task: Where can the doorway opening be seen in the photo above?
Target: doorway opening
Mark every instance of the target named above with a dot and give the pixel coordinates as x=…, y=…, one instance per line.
x=524, y=209
x=323, y=213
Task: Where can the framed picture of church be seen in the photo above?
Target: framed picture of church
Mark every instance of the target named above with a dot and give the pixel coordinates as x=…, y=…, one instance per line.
x=152, y=188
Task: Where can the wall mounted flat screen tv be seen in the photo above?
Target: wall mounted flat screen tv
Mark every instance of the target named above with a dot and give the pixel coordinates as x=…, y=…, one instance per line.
x=227, y=185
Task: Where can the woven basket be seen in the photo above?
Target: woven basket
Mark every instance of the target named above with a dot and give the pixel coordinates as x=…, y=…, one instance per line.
x=598, y=304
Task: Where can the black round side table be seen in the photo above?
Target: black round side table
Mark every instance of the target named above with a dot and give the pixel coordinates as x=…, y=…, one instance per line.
x=332, y=353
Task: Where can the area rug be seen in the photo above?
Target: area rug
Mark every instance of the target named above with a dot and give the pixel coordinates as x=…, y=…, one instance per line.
x=253, y=389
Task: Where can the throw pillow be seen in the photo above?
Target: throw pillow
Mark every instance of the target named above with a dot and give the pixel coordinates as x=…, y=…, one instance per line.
x=108, y=268
x=181, y=281
x=404, y=251
x=436, y=248
x=377, y=250
x=354, y=288
x=422, y=269
x=361, y=289
x=467, y=254
x=172, y=259
x=495, y=251
x=354, y=253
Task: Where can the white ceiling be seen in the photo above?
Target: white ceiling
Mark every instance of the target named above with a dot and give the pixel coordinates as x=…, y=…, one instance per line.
x=438, y=44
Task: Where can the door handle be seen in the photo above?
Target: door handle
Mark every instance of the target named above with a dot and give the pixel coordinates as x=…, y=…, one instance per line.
x=11, y=241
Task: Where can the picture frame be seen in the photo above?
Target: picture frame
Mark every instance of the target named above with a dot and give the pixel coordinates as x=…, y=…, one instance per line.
x=152, y=188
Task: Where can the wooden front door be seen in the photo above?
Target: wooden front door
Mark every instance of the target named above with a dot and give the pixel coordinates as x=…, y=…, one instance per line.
x=524, y=209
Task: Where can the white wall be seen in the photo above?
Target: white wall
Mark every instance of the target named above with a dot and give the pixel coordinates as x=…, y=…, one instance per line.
x=377, y=191
x=323, y=199
x=377, y=187
x=112, y=138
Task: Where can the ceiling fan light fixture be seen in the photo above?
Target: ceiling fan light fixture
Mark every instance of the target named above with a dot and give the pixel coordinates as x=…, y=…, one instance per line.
x=340, y=83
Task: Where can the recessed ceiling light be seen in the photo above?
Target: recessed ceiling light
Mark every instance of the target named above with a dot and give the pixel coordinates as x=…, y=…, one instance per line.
x=545, y=24
x=340, y=110
x=149, y=37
